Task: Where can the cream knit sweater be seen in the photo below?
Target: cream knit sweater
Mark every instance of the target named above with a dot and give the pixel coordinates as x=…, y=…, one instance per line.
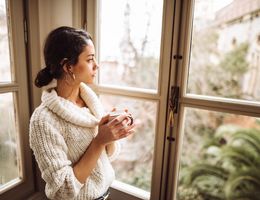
x=60, y=133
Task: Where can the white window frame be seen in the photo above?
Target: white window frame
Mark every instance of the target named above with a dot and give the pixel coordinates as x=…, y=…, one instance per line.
x=19, y=87
x=120, y=190
x=219, y=104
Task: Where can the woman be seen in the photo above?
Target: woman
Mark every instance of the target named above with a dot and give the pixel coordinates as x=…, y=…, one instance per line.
x=73, y=142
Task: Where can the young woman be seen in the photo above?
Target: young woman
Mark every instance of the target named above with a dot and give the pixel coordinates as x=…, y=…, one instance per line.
x=71, y=138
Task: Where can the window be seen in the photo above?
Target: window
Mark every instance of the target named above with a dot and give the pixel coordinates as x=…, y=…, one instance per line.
x=217, y=130
x=5, y=68
x=10, y=163
x=129, y=56
x=132, y=49
x=129, y=38
x=221, y=64
x=15, y=157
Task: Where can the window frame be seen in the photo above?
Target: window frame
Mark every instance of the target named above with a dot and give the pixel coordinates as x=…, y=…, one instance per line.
x=158, y=187
x=19, y=88
x=219, y=104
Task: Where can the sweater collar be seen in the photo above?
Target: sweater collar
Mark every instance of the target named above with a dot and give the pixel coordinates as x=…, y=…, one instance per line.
x=71, y=112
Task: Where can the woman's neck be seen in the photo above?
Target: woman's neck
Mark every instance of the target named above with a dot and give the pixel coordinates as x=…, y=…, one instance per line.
x=70, y=92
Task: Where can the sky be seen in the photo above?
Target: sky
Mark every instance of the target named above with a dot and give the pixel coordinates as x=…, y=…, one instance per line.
x=112, y=25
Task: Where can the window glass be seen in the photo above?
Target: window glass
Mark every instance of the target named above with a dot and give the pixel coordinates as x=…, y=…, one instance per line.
x=130, y=40
x=9, y=156
x=220, y=156
x=134, y=164
x=5, y=67
x=225, y=49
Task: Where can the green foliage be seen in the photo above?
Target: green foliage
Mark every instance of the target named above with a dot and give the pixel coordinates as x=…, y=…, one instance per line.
x=243, y=183
x=235, y=174
x=188, y=194
x=235, y=62
x=230, y=70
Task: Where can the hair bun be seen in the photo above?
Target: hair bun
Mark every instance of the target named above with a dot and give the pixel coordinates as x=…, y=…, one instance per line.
x=44, y=77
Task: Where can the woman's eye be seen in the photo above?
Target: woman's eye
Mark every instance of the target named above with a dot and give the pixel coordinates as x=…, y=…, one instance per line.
x=90, y=59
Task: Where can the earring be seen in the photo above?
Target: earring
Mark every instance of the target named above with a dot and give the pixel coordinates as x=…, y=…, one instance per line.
x=73, y=76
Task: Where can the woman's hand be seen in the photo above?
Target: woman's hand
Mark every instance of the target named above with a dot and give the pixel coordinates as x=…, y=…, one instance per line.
x=110, y=131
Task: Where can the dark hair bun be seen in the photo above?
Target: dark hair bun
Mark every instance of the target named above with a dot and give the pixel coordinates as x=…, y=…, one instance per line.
x=43, y=78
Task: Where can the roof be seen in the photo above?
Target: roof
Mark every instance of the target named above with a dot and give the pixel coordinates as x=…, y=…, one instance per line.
x=236, y=10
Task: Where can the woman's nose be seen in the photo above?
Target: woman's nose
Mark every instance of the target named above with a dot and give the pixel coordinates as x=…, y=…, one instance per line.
x=96, y=65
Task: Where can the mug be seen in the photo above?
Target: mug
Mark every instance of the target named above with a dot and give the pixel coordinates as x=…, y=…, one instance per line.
x=114, y=114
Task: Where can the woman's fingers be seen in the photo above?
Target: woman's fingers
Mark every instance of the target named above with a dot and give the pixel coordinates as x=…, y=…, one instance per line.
x=104, y=119
x=126, y=130
x=124, y=134
x=117, y=120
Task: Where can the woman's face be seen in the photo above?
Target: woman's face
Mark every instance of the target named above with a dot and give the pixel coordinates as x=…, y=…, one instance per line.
x=86, y=68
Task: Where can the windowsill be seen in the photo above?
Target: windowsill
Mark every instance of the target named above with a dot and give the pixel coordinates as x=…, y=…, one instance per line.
x=11, y=184
x=134, y=191
x=117, y=185
x=37, y=196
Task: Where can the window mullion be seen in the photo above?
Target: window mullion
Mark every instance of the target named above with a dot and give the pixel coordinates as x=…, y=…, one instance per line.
x=129, y=92
x=9, y=87
x=225, y=105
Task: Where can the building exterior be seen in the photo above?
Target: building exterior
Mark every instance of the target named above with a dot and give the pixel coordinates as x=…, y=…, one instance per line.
x=239, y=22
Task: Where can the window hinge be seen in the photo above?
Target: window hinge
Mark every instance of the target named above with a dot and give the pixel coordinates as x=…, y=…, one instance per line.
x=174, y=99
x=25, y=32
x=177, y=57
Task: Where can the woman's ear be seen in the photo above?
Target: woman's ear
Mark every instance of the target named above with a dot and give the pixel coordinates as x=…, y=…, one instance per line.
x=67, y=68
x=64, y=64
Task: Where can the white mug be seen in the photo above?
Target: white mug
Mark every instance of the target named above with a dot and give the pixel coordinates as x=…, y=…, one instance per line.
x=114, y=114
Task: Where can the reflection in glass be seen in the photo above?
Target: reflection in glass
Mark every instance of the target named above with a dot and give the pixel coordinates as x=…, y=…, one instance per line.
x=130, y=35
x=134, y=165
x=220, y=156
x=9, y=163
x=225, y=50
x=5, y=68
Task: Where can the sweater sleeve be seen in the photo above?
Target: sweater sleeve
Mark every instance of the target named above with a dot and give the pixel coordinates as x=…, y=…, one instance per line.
x=50, y=149
x=116, y=152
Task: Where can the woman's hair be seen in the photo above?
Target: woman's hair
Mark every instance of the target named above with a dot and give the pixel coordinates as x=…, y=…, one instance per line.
x=62, y=46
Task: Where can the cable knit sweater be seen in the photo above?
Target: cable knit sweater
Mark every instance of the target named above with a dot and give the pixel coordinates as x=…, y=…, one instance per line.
x=60, y=133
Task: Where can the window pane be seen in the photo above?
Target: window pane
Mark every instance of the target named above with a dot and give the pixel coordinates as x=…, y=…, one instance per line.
x=220, y=156
x=9, y=162
x=5, y=67
x=134, y=165
x=130, y=35
x=225, y=50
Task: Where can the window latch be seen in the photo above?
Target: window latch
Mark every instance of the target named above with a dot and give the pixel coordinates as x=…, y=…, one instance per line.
x=174, y=99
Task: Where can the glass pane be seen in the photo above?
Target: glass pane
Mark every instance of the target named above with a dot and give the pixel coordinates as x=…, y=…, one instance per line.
x=220, y=156
x=134, y=165
x=225, y=49
x=5, y=67
x=130, y=35
x=9, y=162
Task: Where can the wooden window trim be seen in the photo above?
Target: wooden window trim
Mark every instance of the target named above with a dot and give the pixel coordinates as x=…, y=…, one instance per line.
x=20, y=90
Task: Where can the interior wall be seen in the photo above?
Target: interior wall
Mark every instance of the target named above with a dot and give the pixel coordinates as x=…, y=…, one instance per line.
x=53, y=14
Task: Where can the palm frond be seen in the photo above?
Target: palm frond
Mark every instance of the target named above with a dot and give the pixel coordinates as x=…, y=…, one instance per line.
x=251, y=137
x=205, y=169
x=243, y=182
x=245, y=196
x=239, y=156
x=210, y=187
